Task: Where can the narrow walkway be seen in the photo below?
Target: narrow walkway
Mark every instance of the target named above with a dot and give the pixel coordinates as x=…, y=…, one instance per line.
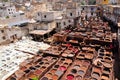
x=117, y=66
x=117, y=59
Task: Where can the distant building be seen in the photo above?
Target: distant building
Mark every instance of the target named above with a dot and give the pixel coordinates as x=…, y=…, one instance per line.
x=89, y=10
x=102, y=2
x=8, y=35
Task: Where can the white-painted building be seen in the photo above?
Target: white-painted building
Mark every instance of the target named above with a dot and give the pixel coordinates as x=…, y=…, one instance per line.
x=62, y=22
x=73, y=13
x=11, y=11
x=89, y=10
x=8, y=35
x=3, y=36
x=19, y=20
x=48, y=16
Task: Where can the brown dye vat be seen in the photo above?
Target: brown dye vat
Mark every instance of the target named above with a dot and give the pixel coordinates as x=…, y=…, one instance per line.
x=65, y=64
x=32, y=68
x=100, y=57
x=68, y=61
x=43, y=67
x=108, y=65
x=27, y=71
x=54, y=77
x=64, y=54
x=53, y=58
x=101, y=54
x=29, y=65
x=47, y=64
x=23, y=68
x=96, y=72
x=37, y=66
x=45, y=60
x=106, y=70
x=105, y=77
x=41, y=63
x=73, y=71
x=78, y=78
x=62, y=59
x=37, y=72
x=76, y=67
x=89, y=56
x=60, y=62
x=53, y=71
x=31, y=75
x=96, y=75
x=56, y=66
x=49, y=75
x=107, y=59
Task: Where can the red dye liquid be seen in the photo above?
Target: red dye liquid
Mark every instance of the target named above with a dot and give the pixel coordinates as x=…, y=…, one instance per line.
x=62, y=68
x=37, y=72
x=70, y=77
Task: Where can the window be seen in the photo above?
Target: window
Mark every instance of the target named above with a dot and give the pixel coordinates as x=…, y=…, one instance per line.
x=92, y=13
x=8, y=9
x=78, y=13
x=45, y=16
x=92, y=9
x=69, y=21
x=15, y=36
x=64, y=23
x=70, y=14
x=2, y=31
x=83, y=8
x=4, y=37
x=98, y=8
x=38, y=14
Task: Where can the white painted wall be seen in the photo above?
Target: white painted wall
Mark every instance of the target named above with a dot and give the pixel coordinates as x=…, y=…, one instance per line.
x=11, y=10
x=47, y=16
x=3, y=35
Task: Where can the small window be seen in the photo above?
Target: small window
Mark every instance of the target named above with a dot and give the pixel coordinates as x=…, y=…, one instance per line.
x=69, y=21
x=2, y=31
x=45, y=16
x=91, y=13
x=98, y=8
x=70, y=14
x=38, y=14
x=16, y=35
x=4, y=37
x=92, y=9
x=64, y=23
x=83, y=8
x=8, y=9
